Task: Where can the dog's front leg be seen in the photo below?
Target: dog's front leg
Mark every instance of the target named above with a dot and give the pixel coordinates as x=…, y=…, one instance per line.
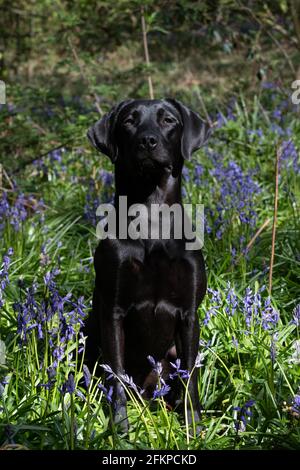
x=113, y=355
x=189, y=344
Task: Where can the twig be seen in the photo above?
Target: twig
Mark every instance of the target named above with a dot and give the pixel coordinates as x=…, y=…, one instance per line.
x=146, y=51
x=278, y=155
x=31, y=160
x=199, y=96
x=84, y=77
x=7, y=177
x=264, y=225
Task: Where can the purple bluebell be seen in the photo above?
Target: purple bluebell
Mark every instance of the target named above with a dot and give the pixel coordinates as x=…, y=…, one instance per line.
x=269, y=315
x=178, y=372
x=269, y=85
x=127, y=380
x=277, y=114
x=234, y=193
x=108, y=370
x=235, y=342
x=186, y=174
x=296, y=315
x=157, y=366
x=161, y=391
x=4, y=273
x=69, y=385
x=55, y=155
x=86, y=376
x=290, y=156
x=107, y=178
x=232, y=300
x=242, y=413
x=296, y=405
x=199, y=171
x=80, y=394
x=248, y=303
x=107, y=392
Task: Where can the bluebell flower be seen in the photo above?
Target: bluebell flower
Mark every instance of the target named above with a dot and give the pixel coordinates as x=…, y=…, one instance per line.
x=277, y=113
x=270, y=316
x=269, y=85
x=107, y=178
x=56, y=154
x=4, y=273
x=129, y=382
x=48, y=385
x=161, y=391
x=51, y=372
x=296, y=315
x=234, y=194
x=232, y=300
x=157, y=366
x=248, y=302
x=69, y=385
x=290, y=156
x=108, y=370
x=80, y=394
x=296, y=405
x=244, y=412
x=49, y=278
x=186, y=174
x=107, y=392
x=58, y=354
x=86, y=375
x=235, y=342
x=199, y=171
x=182, y=373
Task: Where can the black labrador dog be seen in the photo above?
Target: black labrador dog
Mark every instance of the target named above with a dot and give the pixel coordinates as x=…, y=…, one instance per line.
x=147, y=291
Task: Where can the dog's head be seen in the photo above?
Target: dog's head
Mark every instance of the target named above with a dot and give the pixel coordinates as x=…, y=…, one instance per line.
x=149, y=135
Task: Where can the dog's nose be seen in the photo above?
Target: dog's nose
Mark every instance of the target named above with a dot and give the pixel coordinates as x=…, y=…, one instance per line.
x=148, y=142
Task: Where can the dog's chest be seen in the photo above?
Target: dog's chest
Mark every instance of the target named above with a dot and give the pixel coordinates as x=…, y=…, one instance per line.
x=158, y=278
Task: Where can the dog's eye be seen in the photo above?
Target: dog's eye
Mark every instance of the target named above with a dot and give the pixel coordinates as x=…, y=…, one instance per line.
x=168, y=120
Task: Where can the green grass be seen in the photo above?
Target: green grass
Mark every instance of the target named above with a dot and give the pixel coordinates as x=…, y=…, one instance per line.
x=33, y=416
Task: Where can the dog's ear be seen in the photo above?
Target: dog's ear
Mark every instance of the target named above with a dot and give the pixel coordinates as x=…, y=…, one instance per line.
x=102, y=134
x=195, y=130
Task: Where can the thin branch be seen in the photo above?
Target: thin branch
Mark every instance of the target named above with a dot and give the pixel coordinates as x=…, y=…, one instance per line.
x=146, y=51
x=201, y=100
x=7, y=177
x=278, y=155
x=39, y=157
x=249, y=245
